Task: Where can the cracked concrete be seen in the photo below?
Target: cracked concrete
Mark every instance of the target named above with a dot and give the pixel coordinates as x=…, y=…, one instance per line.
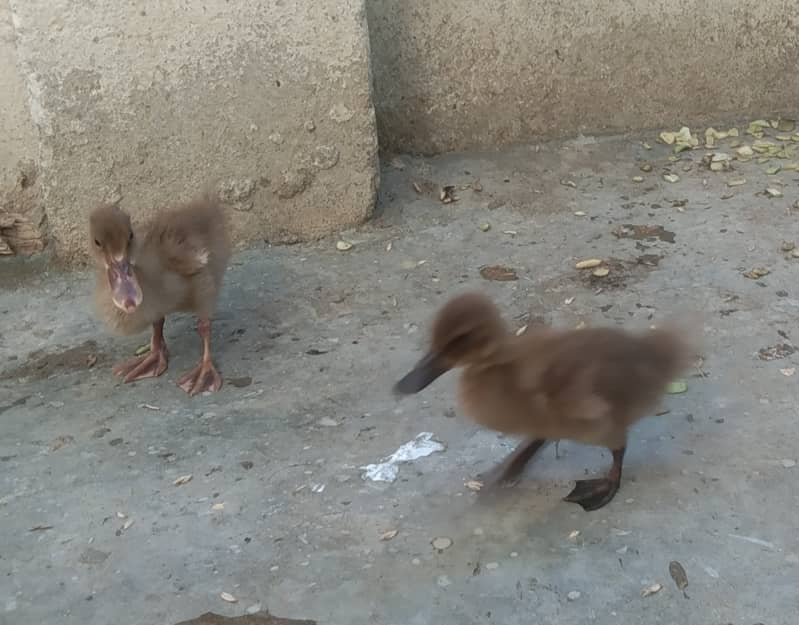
x=94, y=530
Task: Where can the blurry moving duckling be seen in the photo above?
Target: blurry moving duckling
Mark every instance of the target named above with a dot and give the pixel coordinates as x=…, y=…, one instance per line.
x=587, y=385
x=175, y=264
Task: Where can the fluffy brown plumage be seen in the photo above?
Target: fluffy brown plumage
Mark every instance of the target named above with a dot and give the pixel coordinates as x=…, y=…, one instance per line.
x=174, y=263
x=586, y=385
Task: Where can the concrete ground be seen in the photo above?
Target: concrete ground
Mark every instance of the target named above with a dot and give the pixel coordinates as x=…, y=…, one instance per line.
x=93, y=529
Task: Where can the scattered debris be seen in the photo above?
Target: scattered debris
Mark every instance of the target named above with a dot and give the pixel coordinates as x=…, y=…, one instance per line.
x=387, y=470
x=754, y=541
x=600, y=272
x=389, y=535
x=678, y=574
x=646, y=167
x=788, y=372
x=568, y=183
x=40, y=528
x=343, y=246
x=638, y=178
x=775, y=352
x=756, y=273
x=441, y=543
x=787, y=246
x=485, y=227
x=183, y=479
x=671, y=178
x=218, y=507
x=573, y=535
x=327, y=422
x=521, y=330
x=787, y=463
x=474, y=485
x=651, y=590
x=447, y=194
x=91, y=360
x=588, y=264
x=676, y=387
x=773, y=192
x=639, y=232
x=416, y=187
x=149, y=407
x=736, y=182
x=492, y=566
x=240, y=382
x=498, y=273
x=717, y=161
x=573, y=595
x=60, y=441
x=226, y=596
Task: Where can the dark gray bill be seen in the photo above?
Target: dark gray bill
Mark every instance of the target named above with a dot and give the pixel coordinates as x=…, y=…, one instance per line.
x=426, y=371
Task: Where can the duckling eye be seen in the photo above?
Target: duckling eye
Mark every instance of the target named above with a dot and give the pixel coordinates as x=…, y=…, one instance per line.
x=97, y=243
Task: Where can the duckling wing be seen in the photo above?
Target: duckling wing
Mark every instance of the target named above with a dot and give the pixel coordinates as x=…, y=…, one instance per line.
x=187, y=237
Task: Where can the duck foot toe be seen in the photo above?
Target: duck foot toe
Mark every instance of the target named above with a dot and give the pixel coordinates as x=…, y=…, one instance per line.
x=149, y=366
x=204, y=377
x=593, y=494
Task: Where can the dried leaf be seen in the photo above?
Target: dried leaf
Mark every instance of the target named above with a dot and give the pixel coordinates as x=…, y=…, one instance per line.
x=521, y=330
x=744, y=153
x=183, y=479
x=795, y=253
x=756, y=273
x=638, y=178
x=476, y=186
x=773, y=192
x=447, y=194
x=773, y=170
x=646, y=146
x=40, y=528
x=676, y=387
x=441, y=543
x=498, y=273
x=218, y=506
x=651, y=590
x=416, y=187
x=788, y=246
x=343, y=246
x=485, y=227
x=667, y=137
x=678, y=574
x=600, y=272
x=671, y=177
x=143, y=349
x=128, y=524
x=474, y=485
x=389, y=535
x=786, y=125
x=588, y=264
x=91, y=360
x=226, y=596
x=568, y=183
x=736, y=182
x=646, y=167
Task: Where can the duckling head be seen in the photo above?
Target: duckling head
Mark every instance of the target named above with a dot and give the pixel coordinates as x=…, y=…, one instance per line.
x=111, y=240
x=468, y=331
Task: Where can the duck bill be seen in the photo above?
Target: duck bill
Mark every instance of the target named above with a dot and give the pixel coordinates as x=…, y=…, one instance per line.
x=125, y=289
x=426, y=371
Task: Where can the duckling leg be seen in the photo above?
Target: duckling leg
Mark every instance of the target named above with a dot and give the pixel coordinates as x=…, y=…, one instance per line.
x=150, y=365
x=593, y=494
x=514, y=463
x=204, y=377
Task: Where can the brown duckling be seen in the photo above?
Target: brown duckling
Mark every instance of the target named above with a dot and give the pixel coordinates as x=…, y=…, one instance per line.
x=174, y=264
x=588, y=385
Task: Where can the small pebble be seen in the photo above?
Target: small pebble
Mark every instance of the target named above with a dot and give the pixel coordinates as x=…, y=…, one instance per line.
x=574, y=595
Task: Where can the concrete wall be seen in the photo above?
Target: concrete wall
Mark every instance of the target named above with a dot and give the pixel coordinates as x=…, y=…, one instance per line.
x=453, y=75
x=22, y=220
x=148, y=103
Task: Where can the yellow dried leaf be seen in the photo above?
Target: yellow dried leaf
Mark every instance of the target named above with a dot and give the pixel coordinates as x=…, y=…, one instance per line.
x=773, y=192
x=671, y=177
x=343, y=246
x=651, y=590
x=638, y=179
x=667, y=137
x=588, y=264
x=601, y=272
x=226, y=596
x=736, y=182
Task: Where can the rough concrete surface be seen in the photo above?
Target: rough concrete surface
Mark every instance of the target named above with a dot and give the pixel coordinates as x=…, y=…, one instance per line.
x=269, y=102
x=452, y=78
x=93, y=529
x=22, y=219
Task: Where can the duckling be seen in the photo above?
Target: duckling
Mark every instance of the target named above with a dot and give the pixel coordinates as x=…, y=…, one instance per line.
x=174, y=264
x=589, y=385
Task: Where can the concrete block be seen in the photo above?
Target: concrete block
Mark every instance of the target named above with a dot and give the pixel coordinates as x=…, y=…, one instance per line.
x=453, y=77
x=268, y=102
